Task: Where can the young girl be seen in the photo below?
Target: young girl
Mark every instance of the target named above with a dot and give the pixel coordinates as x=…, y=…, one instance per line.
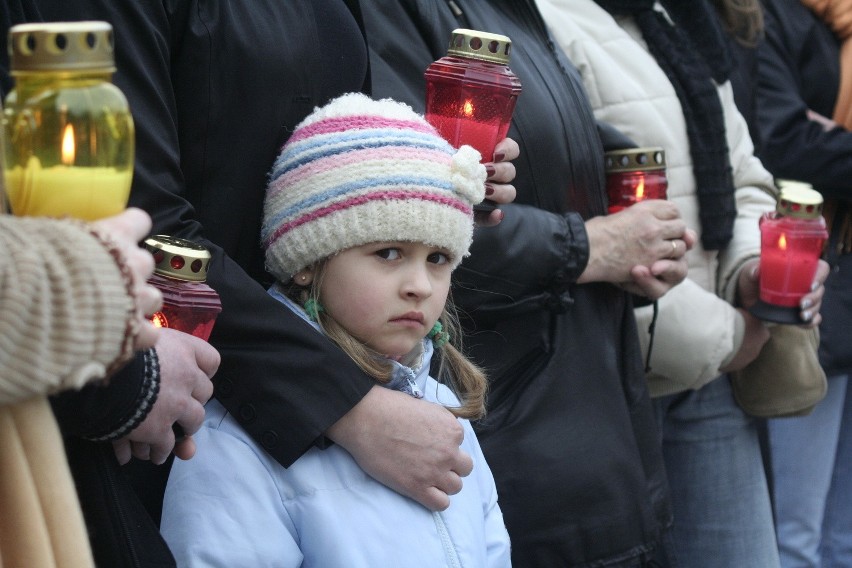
x=367, y=213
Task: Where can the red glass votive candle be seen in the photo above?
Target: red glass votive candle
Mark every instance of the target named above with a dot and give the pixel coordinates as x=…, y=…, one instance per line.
x=791, y=242
x=471, y=92
x=633, y=175
x=189, y=304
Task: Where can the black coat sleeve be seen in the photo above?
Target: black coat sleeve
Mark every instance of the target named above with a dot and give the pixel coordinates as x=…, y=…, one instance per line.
x=102, y=408
x=285, y=383
x=527, y=263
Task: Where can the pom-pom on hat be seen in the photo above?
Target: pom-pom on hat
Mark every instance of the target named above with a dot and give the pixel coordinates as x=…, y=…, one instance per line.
x=359, y=171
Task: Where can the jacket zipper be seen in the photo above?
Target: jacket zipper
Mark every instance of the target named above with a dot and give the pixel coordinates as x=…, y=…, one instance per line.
x=449, y=550
x=459, y=14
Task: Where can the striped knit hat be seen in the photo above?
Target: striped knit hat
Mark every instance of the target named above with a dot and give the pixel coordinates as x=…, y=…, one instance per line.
x=359, y=171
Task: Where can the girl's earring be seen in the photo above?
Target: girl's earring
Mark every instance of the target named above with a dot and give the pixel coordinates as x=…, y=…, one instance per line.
x=438, y=336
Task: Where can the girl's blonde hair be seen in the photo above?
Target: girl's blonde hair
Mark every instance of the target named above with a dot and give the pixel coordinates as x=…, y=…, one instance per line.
x=460, y=374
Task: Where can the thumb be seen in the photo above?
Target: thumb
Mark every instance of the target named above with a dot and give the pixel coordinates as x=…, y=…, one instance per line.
x=749, y=287
x=185, y=449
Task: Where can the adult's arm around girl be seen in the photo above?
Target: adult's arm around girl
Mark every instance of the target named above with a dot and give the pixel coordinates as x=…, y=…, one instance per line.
x=202, y=156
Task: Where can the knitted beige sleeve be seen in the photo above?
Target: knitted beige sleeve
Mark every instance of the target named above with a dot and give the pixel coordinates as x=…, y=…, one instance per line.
x=66, y=310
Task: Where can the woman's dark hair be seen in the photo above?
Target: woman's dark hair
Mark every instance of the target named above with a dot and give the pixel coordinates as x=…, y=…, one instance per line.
x=742, y=19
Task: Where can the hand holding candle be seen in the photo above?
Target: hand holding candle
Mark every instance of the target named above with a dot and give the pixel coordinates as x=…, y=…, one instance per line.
x=498, y=185
x=125, y=231
x=634, y=175
x=792, y=238
x=471, y=93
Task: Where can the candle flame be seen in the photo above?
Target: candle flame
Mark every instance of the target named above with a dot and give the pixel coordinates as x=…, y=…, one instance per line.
x=68, y=149
x=640, y=189
x=782, y=242
x=159, y=320
x=467, y=108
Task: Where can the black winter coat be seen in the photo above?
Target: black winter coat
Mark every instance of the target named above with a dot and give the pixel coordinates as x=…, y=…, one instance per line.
x=569, y=435
x=798, y=70
x=210, y=120
x=215, y=89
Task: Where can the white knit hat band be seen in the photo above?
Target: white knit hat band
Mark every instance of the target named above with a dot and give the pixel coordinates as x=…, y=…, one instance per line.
x=431, y=223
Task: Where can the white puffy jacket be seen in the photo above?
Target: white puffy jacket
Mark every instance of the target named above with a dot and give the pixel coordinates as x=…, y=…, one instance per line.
x=233, y=505
x=698, y=330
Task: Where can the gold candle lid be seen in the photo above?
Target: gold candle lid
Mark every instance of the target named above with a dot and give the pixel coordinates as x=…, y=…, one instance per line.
x=178, y=258
x=798, y=199
x=485, y=46
x=61, y=46
x=635, y=159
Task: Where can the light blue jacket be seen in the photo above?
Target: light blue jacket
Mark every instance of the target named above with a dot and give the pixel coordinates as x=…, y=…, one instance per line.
x=232, y=505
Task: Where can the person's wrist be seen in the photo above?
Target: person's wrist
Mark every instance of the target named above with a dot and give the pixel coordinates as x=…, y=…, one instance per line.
x=593, y=269
x=147, y=397
x=350, y=427
x=132, y=322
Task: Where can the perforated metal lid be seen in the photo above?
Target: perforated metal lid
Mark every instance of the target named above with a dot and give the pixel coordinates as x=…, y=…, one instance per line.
x=61, y=46
x=799, y=199
x=635, y=159
x=480, y=45
x=179, y=258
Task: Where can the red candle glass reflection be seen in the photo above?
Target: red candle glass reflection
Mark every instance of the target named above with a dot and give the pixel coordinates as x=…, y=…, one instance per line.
x=189, y=304
x=791, y=243
x=633, y=175
x=471, y=92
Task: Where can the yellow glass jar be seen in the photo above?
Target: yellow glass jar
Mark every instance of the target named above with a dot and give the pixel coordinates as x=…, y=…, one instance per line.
x=68, y=133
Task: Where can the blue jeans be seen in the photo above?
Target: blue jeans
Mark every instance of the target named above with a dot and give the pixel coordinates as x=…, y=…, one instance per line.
x=722, y=512
x=811, y=465
x=837, y=524
x=803, y=451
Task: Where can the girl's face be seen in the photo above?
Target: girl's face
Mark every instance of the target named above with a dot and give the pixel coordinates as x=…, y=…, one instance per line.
x=388, y=295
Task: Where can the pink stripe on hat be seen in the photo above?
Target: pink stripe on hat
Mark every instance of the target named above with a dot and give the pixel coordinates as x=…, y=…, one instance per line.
x=355, y=122
x=358, y=157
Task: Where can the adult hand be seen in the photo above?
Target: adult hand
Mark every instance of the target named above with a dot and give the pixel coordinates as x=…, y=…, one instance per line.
x=756, y=332
x=756, y=336
x=826, y=123
x=748, y=284
x=748, y=291
x=653, y=282
x=187, y=364
x=642, y=235
x=811, y=302
x=409, y=445
x=125, y=230
x=498, y=186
